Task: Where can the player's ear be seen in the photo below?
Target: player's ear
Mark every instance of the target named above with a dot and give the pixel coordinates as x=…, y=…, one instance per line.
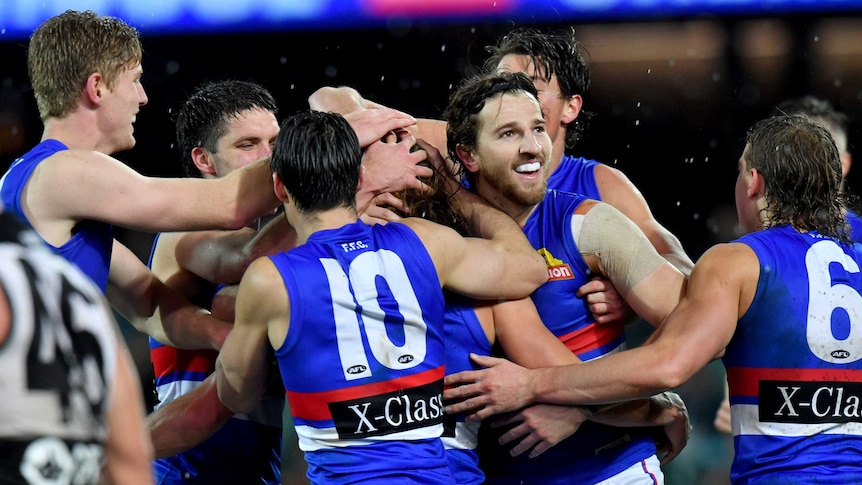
x=280, y=189
x=756, y=184
x=468, y=157
x=94, y=88
x=572, y=109
x=203, y=161
x=361, y=178
x=846, y=162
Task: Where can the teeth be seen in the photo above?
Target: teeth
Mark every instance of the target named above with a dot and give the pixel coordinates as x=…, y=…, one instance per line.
x=528, y=167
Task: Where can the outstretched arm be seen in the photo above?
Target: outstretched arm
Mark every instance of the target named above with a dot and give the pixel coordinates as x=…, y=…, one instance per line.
x=349, y=102
x=262, y=311
x=509, y=265
x=223, y=256
x=98, y=187
x=721, y=288
x=139, y=295
x=188, y=420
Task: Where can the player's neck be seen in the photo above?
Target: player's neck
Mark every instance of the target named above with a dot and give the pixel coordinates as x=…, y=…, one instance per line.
x=307, y=224
x=558, y=152
x=74, y=132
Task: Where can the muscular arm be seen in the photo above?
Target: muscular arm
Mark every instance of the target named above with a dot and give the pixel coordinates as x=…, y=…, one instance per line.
x=509, y=266
x=157, y=309
x=348, y=101
x=721, y=288
x=223, y=256
x=617, y=190
x=262, y=314
x=526, y=341
x=188, y=420
x=614, y=247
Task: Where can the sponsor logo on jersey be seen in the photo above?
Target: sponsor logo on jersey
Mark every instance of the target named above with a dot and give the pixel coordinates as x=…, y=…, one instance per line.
x=557, y=269
x=393, y=412
x=810, y=402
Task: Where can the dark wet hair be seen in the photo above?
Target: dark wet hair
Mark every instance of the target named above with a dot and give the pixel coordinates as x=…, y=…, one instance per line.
x=801, y=169
x=204, y=117
x=318, y=158
x=553, y=54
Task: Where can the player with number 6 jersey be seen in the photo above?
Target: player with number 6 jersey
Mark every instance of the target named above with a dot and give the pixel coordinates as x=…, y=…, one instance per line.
x=784, y=306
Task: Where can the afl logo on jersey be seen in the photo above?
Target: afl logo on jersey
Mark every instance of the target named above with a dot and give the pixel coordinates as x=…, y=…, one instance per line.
x=840, y=354
x=405, y=359
x=356, y=369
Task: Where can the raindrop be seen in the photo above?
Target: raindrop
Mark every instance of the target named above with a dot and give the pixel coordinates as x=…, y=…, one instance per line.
x=615, y=161
x=472, y=30
x=637, y=122
x=331, y=71
x=837, y=83
x=695, y=216
x=677, y=203
x=2, y=31
x=816, y=38
x=450, y=88
x=716, y=76
x=705, y=159
x=639, y=104
x=382, y=77
x=292, y=86
x=170, y=110
x=443, y=48
x=283, y=60
x=649, y=71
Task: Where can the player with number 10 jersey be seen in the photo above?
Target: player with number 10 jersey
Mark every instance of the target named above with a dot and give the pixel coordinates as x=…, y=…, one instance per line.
x=368, y=400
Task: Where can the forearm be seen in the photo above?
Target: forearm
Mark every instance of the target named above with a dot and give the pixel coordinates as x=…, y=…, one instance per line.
x=176, y=322
x=249, y=194
x=629, y=375
x=523, y=262
x=637, y=413
x=340, y=100
x=188, y=420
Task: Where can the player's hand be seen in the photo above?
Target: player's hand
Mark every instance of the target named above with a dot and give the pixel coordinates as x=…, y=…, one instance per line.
x=676, y=424
x=390, y=165
x=605, y=302
x=502, y=386
x=380, y=210
x=541, y=426
x=372, y=124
